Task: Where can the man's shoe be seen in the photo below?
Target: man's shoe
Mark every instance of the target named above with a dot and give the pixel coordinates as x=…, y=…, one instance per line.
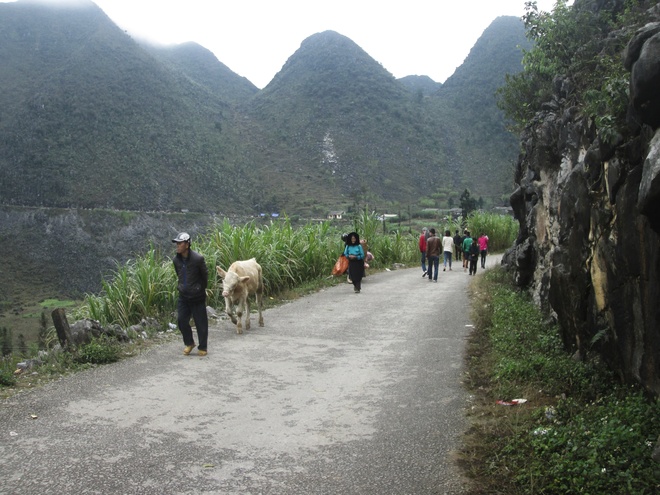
x=424, y=274
x=188, y=349
x=202, y=353
x=444, y=269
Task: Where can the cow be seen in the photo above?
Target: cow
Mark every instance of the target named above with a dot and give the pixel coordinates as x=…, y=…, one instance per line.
x=242, y=279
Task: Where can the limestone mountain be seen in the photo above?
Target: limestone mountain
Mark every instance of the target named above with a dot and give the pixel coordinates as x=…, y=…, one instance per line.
x=91, y=118
x=483, y=152
x=349, y=126
x=203, y=68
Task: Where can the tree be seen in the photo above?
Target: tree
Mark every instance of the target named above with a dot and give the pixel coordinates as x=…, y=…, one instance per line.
x=6, y=338
x=468, y=204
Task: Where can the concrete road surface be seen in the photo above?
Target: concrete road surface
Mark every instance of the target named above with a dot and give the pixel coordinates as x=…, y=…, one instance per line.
x=339, y=393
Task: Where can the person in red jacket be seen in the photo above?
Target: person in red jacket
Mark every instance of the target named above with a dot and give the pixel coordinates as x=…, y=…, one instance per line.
x=422, y=248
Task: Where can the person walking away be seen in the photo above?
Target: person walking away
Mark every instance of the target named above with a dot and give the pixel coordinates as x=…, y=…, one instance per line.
x=483, y=248
x=458, y=245
x=473, y=254
x=433, y=246
x=193, y=276
x=467, y=242
x=355, y=254
x=422, y=248
x=448, y=249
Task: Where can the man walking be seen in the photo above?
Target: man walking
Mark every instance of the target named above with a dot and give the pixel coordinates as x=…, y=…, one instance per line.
x=473, y=256
x=422, y=249
x=448, y=248
x=193, y=276
x=458, y=244
x=433, y=247
x=467, y=242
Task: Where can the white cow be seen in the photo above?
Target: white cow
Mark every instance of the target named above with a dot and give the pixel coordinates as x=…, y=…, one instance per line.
x=241, y=280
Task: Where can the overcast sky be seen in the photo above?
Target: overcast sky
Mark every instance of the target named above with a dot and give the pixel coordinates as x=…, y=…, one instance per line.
x=254, y=38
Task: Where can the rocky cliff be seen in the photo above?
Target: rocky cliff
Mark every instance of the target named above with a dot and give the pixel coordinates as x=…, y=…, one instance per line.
x=73, y=250
x=589, y=212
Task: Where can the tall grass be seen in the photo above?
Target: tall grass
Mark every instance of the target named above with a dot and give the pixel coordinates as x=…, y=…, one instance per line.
x=290, y=257
x=140, y=288
x=500, y=229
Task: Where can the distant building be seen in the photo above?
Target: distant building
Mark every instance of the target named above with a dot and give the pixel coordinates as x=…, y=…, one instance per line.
x=387, y=216
x=335, y=215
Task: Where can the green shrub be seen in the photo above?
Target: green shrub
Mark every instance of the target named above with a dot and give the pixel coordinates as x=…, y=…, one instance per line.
x=7, y=378
x=101, y=350
x=576, y=43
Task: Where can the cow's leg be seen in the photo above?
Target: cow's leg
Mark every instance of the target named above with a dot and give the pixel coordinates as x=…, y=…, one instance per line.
x=259, y=307
x=247, y=312
x=229, y=308
x=239, y=316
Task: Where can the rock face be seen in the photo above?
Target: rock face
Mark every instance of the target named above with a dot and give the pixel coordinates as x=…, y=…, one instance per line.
x=589, y=214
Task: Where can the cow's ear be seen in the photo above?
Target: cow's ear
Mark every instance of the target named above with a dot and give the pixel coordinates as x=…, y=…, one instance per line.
x=245, y=279
x=221, y=272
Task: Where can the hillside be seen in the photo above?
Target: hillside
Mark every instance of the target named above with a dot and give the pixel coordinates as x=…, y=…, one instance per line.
x=352, y=127
x=484, y=152
x=420, y=85
x=202, y=67
x=90, y=118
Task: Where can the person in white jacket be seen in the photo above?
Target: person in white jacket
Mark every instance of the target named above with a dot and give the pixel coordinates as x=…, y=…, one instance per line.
x=448, y=248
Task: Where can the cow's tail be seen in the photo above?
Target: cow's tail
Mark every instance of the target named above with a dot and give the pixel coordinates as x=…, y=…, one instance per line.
x=260, y=287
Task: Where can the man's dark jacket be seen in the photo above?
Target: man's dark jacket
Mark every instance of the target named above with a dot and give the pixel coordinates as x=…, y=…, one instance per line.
x=193, y=276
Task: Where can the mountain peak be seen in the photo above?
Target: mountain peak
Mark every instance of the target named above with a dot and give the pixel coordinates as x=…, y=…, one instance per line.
x=330, y=64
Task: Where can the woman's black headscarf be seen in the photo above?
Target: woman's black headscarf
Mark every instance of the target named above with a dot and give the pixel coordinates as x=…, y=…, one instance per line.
x=348, y=239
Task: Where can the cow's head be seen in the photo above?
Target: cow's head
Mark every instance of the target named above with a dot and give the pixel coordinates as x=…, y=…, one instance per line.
x=230, y=281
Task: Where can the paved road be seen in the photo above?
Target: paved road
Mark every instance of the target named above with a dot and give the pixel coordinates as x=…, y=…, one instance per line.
x=339, y=393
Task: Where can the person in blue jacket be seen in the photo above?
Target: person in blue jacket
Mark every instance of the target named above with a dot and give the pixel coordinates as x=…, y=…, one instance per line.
x=355, y=254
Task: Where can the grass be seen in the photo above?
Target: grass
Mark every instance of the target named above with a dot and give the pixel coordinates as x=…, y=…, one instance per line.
x=580, y=431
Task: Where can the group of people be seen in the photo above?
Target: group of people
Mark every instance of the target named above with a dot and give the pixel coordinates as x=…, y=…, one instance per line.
x=430, y=247
x=192, y=273
x=467, y=248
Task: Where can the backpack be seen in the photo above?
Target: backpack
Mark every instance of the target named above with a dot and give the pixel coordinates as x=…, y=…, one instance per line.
x=474, y=250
